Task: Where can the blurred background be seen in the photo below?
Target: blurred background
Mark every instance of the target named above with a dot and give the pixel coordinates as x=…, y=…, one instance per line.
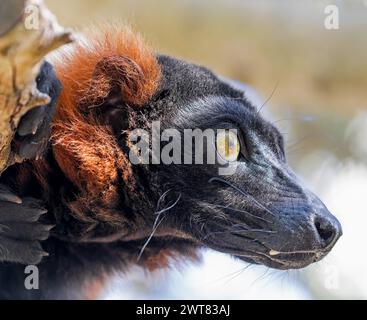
x=316, y=83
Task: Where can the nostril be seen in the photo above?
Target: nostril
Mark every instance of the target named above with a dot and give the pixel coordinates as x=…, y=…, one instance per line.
x=327, y=232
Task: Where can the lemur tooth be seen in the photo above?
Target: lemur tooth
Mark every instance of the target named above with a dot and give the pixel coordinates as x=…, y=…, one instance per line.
x=273, y=252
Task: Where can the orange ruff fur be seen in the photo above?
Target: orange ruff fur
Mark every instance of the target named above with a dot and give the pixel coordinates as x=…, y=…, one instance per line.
x=114, y=59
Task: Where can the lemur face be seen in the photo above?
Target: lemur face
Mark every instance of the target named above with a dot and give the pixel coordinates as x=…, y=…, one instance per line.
x=259, y=212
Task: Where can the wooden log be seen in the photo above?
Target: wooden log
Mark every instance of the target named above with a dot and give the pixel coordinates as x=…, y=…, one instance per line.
x=28, y=31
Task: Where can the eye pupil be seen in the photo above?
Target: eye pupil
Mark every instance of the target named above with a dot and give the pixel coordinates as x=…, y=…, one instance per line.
x=227, y=142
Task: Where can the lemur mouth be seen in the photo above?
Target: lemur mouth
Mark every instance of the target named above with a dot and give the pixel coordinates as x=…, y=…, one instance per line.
x=284, y=260
x=275, y=259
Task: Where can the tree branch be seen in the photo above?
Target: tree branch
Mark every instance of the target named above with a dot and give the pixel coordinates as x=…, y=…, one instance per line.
x=28, y=31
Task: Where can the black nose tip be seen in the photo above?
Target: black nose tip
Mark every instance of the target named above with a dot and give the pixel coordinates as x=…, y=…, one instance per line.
x=328, y=229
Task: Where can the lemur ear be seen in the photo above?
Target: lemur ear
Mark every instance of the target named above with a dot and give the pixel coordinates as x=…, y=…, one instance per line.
x=112, y=61
x=114, y=78
x=116, y=81
x=102, y=77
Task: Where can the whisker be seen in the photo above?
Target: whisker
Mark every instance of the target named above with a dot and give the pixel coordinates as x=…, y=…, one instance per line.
x=161, y=198
x=255, y=230
x=268, y=99
x=242, y=192
x=240, y=210
x=156, y=223
x=170, y=207
x=239, y=232
x=157, y=220
x=261, y=277
x=238, y=273
x=228, y=275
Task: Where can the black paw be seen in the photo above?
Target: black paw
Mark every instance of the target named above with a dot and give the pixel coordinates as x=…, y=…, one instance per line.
x=34, y=129
x=20, y=229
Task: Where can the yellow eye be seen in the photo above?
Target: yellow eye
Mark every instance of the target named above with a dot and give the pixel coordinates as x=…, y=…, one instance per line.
x=228, y=145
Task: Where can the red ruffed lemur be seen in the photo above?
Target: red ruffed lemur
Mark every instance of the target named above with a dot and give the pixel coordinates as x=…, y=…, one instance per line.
x=80, y=209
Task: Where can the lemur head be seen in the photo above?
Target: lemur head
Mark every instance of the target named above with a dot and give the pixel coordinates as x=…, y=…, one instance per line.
x=260, y=212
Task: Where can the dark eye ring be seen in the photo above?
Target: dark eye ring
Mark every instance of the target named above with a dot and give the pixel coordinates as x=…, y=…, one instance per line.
x=245, y=150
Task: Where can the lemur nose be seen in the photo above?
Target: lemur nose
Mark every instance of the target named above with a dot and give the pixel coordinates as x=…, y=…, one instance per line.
x=328, y=230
